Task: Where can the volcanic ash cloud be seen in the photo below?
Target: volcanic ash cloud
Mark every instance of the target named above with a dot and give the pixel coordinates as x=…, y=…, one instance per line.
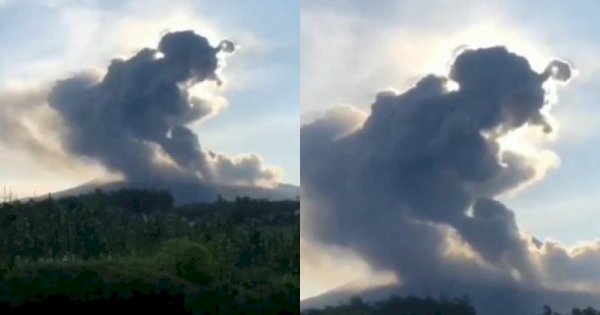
x=414, y=186
x=134, y=119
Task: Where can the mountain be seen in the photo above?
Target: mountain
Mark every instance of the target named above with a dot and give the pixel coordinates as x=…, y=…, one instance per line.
x=488, y=299
x=185, y=192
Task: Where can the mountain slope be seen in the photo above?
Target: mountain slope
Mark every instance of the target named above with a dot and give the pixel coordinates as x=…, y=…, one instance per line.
x=190, y=192
x=487, y=299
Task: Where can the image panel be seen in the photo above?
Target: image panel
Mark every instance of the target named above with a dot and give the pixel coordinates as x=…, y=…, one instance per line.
x=449, y=157
x=149, y=157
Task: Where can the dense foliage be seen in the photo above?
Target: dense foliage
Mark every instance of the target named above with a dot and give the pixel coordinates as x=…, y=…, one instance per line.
x=132, y=249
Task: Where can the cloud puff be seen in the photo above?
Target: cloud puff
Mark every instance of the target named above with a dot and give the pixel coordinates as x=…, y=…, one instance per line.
x=29, y=126
x=413, y=187
x=248, y=169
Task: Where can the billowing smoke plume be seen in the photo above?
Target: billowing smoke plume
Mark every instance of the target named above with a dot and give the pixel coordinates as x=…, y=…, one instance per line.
x=134, y=119
x=413, y=187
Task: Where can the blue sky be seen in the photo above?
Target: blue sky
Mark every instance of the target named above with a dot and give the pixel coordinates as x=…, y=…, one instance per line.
x=45, y=40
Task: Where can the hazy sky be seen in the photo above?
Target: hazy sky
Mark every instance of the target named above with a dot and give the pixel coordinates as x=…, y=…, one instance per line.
x=45, y=40
x=353, y=49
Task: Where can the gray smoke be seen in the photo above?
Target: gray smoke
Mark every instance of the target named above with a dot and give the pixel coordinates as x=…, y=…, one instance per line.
x=425, y=169
x=139, y=111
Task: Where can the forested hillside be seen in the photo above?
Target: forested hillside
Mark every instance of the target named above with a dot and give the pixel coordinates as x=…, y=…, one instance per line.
x=133, y=250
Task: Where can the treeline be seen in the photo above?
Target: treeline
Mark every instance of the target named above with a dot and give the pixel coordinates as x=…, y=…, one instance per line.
x=576, y=311
x=113, y=248
x=397, y=305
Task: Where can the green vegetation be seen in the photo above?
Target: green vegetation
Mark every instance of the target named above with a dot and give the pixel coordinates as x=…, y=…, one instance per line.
x=133, y=250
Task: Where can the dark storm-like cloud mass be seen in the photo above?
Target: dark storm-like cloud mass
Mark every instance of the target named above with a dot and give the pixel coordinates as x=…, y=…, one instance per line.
x=139, y=111
x=423, y=172
x=139, y=101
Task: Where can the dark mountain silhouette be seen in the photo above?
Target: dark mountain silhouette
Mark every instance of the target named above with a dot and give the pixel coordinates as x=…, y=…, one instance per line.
x=399, y=305
x=395, y=305
x=190, y=192
x=486, y=299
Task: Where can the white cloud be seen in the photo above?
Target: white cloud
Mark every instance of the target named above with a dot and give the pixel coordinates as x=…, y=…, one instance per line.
x=326, y=267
